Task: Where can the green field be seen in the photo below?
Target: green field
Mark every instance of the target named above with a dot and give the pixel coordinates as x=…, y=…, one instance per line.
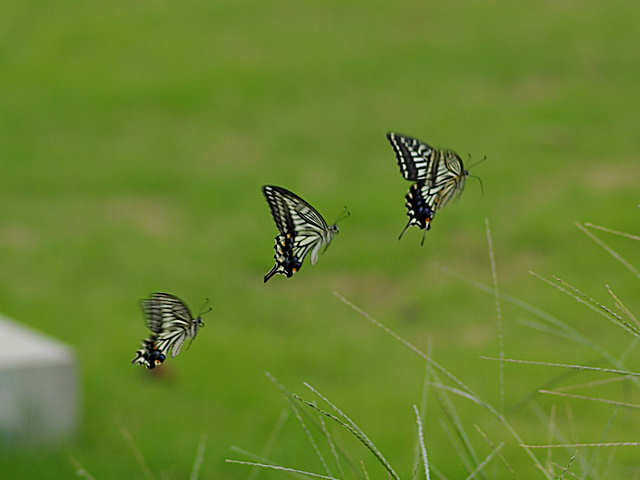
x=135, y=137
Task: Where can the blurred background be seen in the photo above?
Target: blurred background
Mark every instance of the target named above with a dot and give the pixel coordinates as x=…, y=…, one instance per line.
x=135, y=137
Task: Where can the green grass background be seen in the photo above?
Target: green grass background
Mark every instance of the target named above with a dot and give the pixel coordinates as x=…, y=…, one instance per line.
x=135, y=136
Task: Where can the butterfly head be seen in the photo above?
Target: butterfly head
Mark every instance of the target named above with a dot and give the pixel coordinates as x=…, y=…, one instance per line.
x=334, y=228
x=203, y=311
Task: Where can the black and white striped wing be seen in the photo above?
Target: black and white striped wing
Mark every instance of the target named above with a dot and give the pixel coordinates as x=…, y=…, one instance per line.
x=170, y=320
x=302, y=230
x=414, y=157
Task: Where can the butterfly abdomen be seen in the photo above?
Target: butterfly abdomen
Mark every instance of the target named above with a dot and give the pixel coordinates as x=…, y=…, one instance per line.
x=285, y=256
x=418, y=210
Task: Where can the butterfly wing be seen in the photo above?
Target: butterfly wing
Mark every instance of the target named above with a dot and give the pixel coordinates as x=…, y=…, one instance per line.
x=302, y=229
x=450, y=178
x=415, y=158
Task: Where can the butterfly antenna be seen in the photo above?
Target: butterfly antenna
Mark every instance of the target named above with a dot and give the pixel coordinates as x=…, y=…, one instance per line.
x=202, y=309
x=404, y=230
x=346, y=213
x=479, y=180
x=478, y=162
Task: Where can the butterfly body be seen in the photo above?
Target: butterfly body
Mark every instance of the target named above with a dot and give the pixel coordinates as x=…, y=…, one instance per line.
x=302, y=231
x=418, y=211
x=438, y=174
x=285, y=255
x=171, y=324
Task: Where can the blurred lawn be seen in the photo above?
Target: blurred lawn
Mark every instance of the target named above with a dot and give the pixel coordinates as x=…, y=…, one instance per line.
x=134, y=139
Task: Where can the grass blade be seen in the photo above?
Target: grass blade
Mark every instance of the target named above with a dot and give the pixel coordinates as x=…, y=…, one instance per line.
x=80, y=470
x=136, y=453
x=494, y=276
x=197, y=463
x=467, y=392
x=609, y=230
x=593, y=399
x=425, y=460
x=350, y=426
x=485, y=461
x=566, y=365
x=609, y=250
x=281, y=468
x=296, y=412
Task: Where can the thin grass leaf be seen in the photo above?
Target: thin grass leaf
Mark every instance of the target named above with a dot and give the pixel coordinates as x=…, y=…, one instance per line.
x=565, y=469
x=260, y=459
x=609, y=250
x=332, y=445
x=584, y=299
x=543, y=327
x=609, y=230
x=493, y=445
x=281, y=468
x=438, y=473
x=558, y=433
x=550, y=433
x=364, y=469
x=423, y=410
x=452, y=415
x=600, y=308
x=197, y=463
x=275, y=432
x=467, y=391
x=573, y=334
x=592, y=384
x=296, y=412
x=612, y=454
x=136, y=453
x=406, y=343
x=566, y=365
x=594, y=456
x=425, y=460
x=500, y=329
x=345, y=418
x=80, y=470
x=593, y=399
x=350, y=426
x=587, y=445
x=455, y=445
x=622, y=306
x=485, y=461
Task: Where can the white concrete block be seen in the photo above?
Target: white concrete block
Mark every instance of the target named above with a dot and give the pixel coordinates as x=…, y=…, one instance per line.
x=38, y=386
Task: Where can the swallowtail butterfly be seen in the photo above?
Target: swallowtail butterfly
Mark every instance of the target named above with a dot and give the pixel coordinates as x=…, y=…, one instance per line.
x=171, y=323
x=438, y=175
x=302, y=230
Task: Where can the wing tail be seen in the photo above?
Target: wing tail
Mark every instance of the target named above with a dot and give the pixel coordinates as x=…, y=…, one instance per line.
x=404, y=229
x=271, y=273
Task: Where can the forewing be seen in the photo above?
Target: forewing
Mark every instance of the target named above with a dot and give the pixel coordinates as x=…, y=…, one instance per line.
x=450, y=178
x=414, y=157
x=286, y=207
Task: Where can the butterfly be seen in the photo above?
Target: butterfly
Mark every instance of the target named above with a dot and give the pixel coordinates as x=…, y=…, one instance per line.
x=438, y=175
x=171, y=323
x=302, y=230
